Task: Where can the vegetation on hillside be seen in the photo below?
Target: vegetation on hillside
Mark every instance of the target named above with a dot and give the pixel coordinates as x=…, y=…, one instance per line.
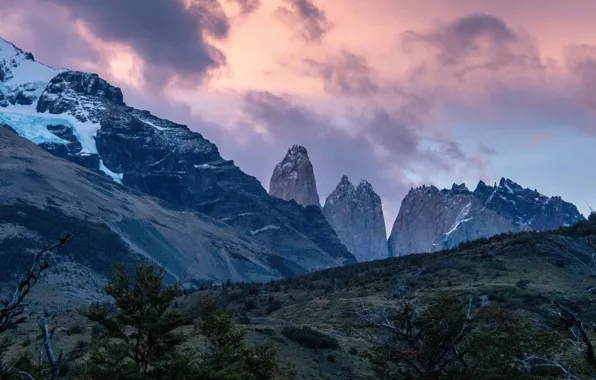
x=512, y=306
x=142, y=335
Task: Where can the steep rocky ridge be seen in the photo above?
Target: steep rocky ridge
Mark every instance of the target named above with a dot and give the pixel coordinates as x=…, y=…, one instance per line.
x=43, y=197
x=356, y=214
x=82, y=118
x=430, y=219
x=294, y=178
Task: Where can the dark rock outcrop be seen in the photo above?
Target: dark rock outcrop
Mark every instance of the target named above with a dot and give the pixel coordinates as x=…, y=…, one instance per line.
x=294, y=178
x=356, y=214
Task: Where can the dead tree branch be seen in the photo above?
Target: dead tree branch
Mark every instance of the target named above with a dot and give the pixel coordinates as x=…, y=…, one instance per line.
x=11, y=311
x=55, y=364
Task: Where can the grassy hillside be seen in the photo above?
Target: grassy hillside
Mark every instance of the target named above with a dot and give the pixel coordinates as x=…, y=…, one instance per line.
x=522, y=273
x=519, y=272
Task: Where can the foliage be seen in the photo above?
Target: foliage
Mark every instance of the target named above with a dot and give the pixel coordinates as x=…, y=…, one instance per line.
x=310, y=338
x=449, y=340
x=142, y=329
x=144, y=336
x=225, y=356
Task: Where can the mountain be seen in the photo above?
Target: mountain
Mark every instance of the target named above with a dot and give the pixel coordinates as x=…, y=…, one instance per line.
x=82, y=118
x=43, y=197
x=356, y=214
x=294, y=178
x=430, y=219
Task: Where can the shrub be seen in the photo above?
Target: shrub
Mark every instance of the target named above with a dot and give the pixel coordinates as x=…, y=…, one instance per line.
x=310, y=338
x=74, y=330
x=353, y=351
x=522, y=284
x=273, y=305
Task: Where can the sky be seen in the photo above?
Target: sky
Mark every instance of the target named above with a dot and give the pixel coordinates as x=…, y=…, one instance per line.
x=397, y=92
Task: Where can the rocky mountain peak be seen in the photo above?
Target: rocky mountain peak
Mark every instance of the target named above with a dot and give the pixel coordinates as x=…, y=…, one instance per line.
x=356, y=215
x=294, y=178
x=429, y=221
x=343, y=187
x=22, y=79
x=365, y=186
x=459, y=189
x=297, y=152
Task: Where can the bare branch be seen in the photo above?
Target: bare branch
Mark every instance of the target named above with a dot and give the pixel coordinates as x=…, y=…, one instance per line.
x=530, y=362
x=55, y=364
x=576, y=321
x=11, y=310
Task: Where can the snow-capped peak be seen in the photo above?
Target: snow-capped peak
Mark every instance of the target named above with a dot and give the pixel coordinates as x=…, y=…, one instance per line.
x=22, y=79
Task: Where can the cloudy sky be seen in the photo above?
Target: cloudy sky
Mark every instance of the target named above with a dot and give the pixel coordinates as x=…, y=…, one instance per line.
x=397, y=92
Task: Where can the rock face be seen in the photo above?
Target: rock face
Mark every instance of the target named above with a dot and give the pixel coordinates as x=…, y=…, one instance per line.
x=356, y=214
x=430, y=219
x=82, y=118
x=294, y=178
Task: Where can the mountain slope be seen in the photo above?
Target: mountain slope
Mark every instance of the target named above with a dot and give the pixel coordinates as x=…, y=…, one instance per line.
x=430, y=219
x=82, y=118
x=43, y=197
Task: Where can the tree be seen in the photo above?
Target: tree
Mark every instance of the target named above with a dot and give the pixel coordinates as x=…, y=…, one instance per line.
x=142, y=327
x=144, y=338
x=225, y=356
x=581, y=338
x=450, y=339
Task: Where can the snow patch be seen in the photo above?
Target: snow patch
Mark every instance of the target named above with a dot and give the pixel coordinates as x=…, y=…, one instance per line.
x=117, y=177
x=22, y=74
x=248, y=213
x=457, y=225
x=266, y=228
x=461, y=218
x=154, y=125
x=33, y=126
x=507, y=200
x=205, y=166
x=508, y=188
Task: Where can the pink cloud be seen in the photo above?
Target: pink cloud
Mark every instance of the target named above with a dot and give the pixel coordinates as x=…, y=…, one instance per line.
x=541, y=138
x=395, y=71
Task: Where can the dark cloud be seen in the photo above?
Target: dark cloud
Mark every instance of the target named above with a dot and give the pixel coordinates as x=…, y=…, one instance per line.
x=383, y=142
x=332, y=151
x=313, y=22
x=165, y=34
x=581, y=61
x=475, y=42
x=247, y=6
x=347, y=75
x=485, y=149
x=46, y=27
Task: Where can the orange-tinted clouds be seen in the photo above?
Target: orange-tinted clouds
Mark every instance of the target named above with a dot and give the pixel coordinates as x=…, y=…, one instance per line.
x=396, y=92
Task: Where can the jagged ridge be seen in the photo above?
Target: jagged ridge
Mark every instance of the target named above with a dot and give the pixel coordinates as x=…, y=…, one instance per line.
x=431, y=219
